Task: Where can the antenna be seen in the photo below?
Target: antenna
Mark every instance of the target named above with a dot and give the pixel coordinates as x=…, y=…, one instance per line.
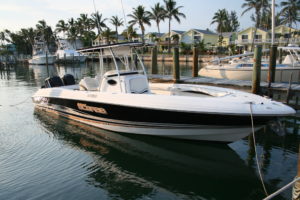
x=125, y=19
x=273, y=22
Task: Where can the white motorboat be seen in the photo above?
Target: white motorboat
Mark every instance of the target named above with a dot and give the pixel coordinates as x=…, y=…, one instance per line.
x=123, y=101
x=41, y=54
x=67, y=53
x=242, y=68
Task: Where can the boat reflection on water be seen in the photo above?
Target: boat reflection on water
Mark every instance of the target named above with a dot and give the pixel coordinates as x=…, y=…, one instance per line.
x=132, y=167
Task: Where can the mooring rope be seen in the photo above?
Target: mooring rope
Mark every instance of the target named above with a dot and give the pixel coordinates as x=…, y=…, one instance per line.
x=13, y=105
x=256, y=157
x=282, y=189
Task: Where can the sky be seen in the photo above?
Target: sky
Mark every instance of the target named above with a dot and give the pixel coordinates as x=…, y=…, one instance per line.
x=17, y=14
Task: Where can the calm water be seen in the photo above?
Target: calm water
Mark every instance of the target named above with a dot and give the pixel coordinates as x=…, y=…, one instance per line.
x=48, y=157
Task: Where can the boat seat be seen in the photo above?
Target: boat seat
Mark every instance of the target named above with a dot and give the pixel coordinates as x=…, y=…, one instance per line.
x=54, y=81
x=89, y=84
x=138, y=84
x=68, y=79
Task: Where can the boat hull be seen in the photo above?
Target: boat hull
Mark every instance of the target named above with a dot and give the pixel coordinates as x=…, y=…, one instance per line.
x=189, y=126
x=281, y=75
x=70, y=59
x=41, y=60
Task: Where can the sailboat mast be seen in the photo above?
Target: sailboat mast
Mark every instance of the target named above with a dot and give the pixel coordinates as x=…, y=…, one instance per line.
x=273, y=22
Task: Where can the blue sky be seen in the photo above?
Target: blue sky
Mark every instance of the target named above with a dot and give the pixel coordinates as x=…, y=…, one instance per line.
x=16, y=14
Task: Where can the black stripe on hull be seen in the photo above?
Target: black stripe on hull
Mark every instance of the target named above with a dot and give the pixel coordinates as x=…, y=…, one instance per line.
x=144, y=115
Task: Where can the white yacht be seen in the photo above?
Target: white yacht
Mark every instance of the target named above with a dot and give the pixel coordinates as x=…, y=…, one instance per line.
x=122, y=100
x=67, y=53
x=241, y=67
x=41, y=54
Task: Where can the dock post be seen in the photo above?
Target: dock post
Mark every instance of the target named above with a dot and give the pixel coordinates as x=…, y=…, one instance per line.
x=272, y=64
x=176, y=70
x=65, y=58
x=280, y=56
x=57, y=58
x=154, y=60
x=47, y=59
x=296, y=189
x=256, y=70
x=195, y=61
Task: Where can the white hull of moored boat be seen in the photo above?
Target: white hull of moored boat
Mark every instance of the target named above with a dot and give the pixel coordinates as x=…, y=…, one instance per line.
x=281, y=75
x=42, y=60
x=184, y=131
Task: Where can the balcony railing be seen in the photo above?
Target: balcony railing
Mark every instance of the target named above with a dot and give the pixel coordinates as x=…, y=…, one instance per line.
x=269, y=41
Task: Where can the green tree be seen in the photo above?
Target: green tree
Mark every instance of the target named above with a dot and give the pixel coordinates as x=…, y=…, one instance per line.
x=140, y=17
x=158, y=14
x=290, y=13
x=108, y=35
x=61, y=26
x=234, y=22
x=172, y=12
x=116, y=21
x=98, y=21
x=44, y=31
x=257, y=6
x=130, y=33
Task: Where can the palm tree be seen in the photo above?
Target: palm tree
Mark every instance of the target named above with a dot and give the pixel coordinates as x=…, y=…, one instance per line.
x=257, y=6
x=172, y=12
x=2, y=37
x=223, y=23
x=61, y=26
x=130, y=33
x=116, y=22
x=221, y=18
x=45, y=31
x=234, y=22
x=108, y=35
x=140, y=16
x=158, y=14
x=290, y=13
x=98, y=22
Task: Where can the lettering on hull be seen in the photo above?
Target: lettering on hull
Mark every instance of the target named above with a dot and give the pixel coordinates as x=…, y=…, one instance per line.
x=85, y=107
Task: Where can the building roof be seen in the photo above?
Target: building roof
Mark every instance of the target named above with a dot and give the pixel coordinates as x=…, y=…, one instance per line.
x=207, y=32
x=179, y=32
x=156, y=34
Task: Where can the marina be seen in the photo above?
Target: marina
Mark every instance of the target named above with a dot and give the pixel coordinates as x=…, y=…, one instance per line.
x=101, y=160
x=142, y=100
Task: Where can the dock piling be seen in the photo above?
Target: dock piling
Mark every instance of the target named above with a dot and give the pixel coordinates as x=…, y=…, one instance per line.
x=272, y=64
x=195, y=61
x=280, y=54
x=154, y=69
x=176, y=70
x=47, y=59
x=256, y=70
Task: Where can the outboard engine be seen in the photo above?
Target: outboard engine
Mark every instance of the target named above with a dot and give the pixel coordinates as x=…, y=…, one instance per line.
x=54, y=81
x=68, y=79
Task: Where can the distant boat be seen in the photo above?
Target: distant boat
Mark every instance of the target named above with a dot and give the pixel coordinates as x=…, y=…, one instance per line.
x=241, y=68
x=41, y=54
x=67, y=53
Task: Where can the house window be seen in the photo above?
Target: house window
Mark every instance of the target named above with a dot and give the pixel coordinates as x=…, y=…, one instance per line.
x=167, y=39
x=244, y=37
x=287, y=35
x=277, y=35
x=197, y=37
x=258, y=37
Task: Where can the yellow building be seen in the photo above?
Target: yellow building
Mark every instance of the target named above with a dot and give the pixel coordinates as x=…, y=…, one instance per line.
x=197, y=35
x=283, y=36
